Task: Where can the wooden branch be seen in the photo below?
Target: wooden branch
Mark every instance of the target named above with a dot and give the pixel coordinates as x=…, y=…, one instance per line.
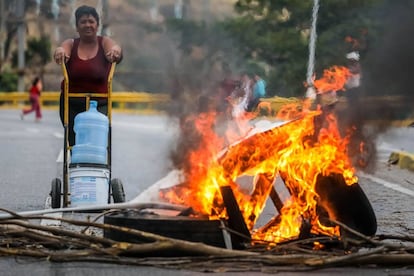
x=356, y=233
x=36, y=236
x=20, y=237
x=196, y=248
x=57, y=231
x=337, y=260
x=395, y=237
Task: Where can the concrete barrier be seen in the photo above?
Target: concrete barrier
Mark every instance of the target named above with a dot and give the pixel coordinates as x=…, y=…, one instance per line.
x=404, y=160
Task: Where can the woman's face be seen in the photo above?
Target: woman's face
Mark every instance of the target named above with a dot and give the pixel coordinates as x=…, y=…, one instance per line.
x=87, y=26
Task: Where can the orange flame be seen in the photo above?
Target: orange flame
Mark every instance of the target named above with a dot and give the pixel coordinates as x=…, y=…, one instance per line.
x=353, y=41
x=298, y=151
x=333, y=79
x=290, y=111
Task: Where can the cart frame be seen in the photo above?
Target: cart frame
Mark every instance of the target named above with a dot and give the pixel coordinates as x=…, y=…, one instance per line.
x=66, y=147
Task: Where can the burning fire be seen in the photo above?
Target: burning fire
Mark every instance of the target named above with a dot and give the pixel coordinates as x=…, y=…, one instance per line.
x=298, y=151
x=333, y=79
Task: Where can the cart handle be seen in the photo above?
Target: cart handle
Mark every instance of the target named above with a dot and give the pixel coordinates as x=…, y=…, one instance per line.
x=87, y=95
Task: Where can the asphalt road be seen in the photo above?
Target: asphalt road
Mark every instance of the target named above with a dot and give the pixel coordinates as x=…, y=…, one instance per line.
x=31, y=155
x=30, y=159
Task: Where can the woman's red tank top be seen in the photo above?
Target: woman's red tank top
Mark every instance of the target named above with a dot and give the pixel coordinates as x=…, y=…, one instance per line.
x=88, y=75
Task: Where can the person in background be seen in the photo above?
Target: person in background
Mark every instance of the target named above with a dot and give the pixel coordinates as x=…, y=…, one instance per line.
x=88, y=61
x=35, y=91
x=354, y=82
x=241, y=96
x=259, y=91
x=355, y=68
x=225, y=89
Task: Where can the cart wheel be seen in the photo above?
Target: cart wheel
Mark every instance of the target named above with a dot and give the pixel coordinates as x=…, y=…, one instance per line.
x=56, y=193
x=118, y=193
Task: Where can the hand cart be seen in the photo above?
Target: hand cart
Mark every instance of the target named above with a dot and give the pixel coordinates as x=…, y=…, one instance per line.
x=115, y=186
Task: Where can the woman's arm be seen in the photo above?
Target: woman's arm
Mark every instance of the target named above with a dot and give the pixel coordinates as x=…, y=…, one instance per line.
x=39, y=86
x=62, y=53
x=113, y=51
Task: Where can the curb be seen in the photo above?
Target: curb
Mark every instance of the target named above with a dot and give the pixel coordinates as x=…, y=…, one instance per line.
x=403, y=159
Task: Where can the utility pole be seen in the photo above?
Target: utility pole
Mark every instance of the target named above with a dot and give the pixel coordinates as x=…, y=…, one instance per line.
x=312, y=43
x=2, y=32
x=21, y=38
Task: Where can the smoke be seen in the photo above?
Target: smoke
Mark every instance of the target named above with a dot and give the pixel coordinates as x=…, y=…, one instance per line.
x=390, y=61
x=385, y=94
x=200, y=79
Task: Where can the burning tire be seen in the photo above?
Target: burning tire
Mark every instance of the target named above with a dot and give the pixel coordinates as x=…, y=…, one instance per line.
x=195, y=229
x=346, y=204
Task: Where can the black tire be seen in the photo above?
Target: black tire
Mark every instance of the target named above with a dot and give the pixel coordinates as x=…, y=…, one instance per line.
x=346, y=204
x=56, y=193
x=194, y=229
x=117, y=189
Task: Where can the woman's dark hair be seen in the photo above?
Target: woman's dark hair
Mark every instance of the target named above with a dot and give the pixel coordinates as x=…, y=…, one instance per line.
x=35, y=80
x=86, y=10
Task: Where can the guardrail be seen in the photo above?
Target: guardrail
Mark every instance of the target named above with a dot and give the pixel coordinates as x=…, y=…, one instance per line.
x=149, y=103
x=122, y=101
x=127, y=101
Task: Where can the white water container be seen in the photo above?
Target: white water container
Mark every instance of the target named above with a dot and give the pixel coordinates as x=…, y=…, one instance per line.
x=91, y=140
x=88, y=185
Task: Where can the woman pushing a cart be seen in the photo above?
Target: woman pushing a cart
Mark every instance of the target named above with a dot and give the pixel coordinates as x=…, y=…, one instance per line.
x=88, y=61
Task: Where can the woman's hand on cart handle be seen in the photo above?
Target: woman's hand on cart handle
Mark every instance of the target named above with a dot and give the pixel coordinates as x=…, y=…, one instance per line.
x=114, y=54
x=60, y=55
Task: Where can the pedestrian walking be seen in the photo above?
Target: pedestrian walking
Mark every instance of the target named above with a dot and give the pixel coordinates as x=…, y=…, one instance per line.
x=35, y=91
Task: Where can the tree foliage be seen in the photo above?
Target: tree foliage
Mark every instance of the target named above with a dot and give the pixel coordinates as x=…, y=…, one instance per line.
x=37, y=53
x=277, y=32
x=8, y=81
x=275, y=35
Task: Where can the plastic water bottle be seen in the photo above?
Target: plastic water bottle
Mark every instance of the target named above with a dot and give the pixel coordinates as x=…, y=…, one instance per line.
x=91, y=140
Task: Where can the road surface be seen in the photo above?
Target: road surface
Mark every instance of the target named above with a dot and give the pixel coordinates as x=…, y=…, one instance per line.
x=31, y=156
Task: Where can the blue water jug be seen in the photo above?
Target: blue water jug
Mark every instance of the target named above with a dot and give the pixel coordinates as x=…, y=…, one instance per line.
x=91, y=139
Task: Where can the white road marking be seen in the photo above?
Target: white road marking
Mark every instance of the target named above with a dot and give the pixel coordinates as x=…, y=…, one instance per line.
x=58, y=135
x=387, y=184
x=60, y=157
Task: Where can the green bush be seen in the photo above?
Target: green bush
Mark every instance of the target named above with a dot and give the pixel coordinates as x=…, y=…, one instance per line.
x=8, y=81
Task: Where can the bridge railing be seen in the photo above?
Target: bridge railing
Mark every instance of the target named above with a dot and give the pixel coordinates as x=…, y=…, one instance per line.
x=121, y=101
x=147, y=103
x=126, y=101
